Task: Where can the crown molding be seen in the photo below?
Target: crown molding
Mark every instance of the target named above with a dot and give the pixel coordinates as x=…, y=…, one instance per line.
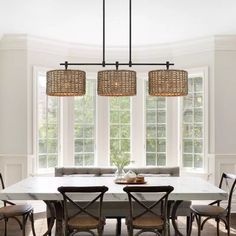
x=13, y=42
x=225, y=43
x=76, y=52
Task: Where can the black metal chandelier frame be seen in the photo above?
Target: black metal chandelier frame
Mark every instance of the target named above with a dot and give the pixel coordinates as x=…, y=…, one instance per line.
x=117, y=63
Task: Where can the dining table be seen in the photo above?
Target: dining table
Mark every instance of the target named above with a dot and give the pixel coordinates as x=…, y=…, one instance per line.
x=45, y=188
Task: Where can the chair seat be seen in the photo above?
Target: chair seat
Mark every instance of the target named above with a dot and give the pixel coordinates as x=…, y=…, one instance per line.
x=147, y=222
x=15, y=210
x=208, y=210
x=85, y=222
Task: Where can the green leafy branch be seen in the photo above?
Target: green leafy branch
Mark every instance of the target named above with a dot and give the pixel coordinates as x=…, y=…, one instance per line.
x=119, y=159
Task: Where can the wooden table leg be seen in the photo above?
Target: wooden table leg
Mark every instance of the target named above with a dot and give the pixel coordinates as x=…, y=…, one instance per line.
x=56, y=211
x=59, y=218
x=51, y=220
x=173, y=217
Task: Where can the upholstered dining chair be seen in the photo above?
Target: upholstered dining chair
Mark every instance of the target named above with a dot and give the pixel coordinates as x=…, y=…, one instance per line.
x=10, y=210
x=214, y=210
x=148, y=219
x=86, y=217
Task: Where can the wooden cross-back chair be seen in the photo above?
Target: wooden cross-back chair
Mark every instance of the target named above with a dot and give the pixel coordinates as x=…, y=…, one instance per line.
x=83, y=219
x=150, y=219
x=214, y=210
x=11, y=210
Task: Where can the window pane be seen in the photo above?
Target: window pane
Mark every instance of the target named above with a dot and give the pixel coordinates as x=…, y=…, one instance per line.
x=151, y=116
x=192, y=125
x=42, y=161
x=198, y=161
x=155, y=130
x=48, y=114
x=84, y=126
x=187, y=131
x=79, y=160
x=52, y=160
x=161, y=159
x=119, y=126
x=151, y=159
x=187, y=160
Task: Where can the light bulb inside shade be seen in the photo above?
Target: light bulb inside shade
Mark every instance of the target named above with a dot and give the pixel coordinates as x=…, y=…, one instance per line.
x=66, y=83
x=168, y=83
x=116, y=83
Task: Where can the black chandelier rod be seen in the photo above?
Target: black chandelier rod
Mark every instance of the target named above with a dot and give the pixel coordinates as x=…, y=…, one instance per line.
x=66, y=64
x=104, y=63
x=103, y=35
x=130, y=33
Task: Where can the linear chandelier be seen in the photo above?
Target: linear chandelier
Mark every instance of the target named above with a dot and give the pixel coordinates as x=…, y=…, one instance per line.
x=165, y=82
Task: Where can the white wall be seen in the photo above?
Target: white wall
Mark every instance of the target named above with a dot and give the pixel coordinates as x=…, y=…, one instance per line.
x=20, y=53
x=13, y=110
x=225, y=98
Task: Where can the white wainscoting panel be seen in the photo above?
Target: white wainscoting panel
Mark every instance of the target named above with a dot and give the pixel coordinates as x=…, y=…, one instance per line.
x=225, y=163
x=13, y=168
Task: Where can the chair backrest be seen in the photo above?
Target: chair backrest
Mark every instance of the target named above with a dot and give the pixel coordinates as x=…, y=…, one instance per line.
x=97, y=196
x=228, y=182
x=161, y=199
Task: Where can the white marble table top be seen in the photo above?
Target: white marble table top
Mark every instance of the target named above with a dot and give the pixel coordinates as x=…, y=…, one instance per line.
x=45, y=188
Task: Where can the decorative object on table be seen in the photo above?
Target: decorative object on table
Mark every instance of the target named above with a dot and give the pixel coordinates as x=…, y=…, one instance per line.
x=120, y=160
x=117, y=82
x=140, y=179
x=130, y=176
x=124, y=181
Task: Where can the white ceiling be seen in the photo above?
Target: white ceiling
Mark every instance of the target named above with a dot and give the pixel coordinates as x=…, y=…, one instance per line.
x=154, y=21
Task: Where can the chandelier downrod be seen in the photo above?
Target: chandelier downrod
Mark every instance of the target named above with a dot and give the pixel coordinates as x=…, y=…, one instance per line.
x=104, y=63
x=130, y=33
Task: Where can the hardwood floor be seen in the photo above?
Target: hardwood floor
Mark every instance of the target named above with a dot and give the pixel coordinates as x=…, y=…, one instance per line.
x=40, y=225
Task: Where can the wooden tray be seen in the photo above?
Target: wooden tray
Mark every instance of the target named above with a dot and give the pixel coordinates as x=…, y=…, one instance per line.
x=123, y=181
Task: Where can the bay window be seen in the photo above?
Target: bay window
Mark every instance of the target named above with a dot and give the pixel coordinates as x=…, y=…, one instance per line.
x=68, y=130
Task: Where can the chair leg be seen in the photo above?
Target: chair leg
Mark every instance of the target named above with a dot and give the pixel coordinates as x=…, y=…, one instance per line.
x=218, y=227
x=23, y=224
x=198, y=218
x=32, y=222
x=5, y=226
x=188, y=223
x=176, y=218
x=228, y=224
x=190, y=220
x=48, y=224
x=130, y=230
x=118, y=226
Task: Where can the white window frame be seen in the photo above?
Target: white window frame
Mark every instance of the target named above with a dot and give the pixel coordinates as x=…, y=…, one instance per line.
x=197, y=72
x=138, y=126
x=36, y=169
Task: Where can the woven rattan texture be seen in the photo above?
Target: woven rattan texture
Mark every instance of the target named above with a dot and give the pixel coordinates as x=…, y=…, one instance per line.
x=66, y=83
x=168, y=82
x=116, y=83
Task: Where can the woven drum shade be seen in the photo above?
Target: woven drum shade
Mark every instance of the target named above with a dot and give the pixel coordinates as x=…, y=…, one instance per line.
x=168, y=83
x=66, y=83
x=116, y=83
